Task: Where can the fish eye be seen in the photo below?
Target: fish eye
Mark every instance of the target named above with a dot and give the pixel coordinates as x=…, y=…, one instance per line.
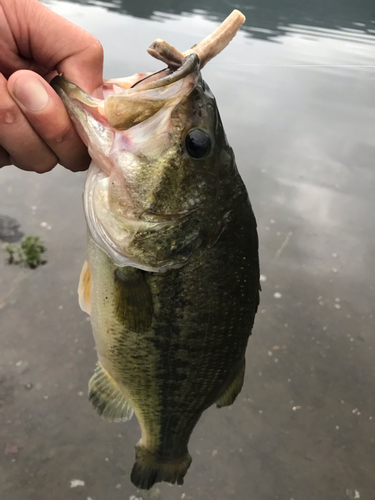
x=197, y=143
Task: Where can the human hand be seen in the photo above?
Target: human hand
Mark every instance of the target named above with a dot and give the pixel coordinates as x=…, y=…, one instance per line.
x=35, y=45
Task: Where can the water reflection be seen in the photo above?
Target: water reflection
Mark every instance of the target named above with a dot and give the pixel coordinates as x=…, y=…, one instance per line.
x=299, y=115
x=265, y=22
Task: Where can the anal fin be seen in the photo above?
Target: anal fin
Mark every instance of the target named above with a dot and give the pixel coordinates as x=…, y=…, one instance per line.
x=107, y=398
x=233, y=389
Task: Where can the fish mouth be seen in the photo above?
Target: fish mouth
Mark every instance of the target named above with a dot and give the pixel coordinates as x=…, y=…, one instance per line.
x=110, y=110
x=128, y=101
x=122, y=104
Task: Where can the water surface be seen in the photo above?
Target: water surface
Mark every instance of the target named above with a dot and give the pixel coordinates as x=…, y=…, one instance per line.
x=296, y=93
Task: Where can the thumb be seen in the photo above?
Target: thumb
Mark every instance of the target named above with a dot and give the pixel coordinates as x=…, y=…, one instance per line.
x=84, y=68
x=55, y=43
x=45, y=122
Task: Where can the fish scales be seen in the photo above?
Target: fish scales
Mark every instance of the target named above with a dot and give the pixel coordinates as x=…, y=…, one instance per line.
x=172, y=274
x=187, y=336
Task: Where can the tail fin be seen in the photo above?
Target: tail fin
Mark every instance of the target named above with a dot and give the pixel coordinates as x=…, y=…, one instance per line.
x=149, y=469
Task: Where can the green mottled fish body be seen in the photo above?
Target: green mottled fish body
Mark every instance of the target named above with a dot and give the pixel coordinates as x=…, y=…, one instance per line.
x=175, y=342
x=172, y=274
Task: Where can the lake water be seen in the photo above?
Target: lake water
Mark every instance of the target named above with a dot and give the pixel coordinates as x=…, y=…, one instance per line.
x=296, y=92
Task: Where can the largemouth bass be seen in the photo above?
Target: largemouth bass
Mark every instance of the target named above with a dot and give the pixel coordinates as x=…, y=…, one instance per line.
x=171, y=279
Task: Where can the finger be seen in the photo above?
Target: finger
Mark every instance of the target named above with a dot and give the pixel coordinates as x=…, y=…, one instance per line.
x=47, y=115
x=25, y=148
x=56, y=43
x=4, y=158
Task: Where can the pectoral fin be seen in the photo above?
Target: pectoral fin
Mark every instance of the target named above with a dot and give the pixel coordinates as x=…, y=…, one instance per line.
x=107, y=398
x=84, y=289
x=133, y=299
x=234, y=388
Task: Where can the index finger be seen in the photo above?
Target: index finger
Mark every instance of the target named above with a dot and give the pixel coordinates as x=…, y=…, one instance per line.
x=55, y=43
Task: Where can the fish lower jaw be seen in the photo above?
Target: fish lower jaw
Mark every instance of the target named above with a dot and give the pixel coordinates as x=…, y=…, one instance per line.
x=118, y=258
x=106, y=236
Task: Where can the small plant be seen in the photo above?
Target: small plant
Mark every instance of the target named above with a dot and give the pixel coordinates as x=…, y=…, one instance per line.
x=29, y=252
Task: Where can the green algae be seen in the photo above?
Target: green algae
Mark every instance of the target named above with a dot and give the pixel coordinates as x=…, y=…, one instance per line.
x=28, y=253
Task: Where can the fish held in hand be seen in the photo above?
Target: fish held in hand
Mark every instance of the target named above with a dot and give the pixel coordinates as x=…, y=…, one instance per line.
x=171, y=279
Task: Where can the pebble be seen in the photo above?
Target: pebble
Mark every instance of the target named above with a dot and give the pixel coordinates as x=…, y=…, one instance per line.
x=74, y=483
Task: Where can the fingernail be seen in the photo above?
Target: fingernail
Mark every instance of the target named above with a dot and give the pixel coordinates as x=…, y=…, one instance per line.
x=30, y=93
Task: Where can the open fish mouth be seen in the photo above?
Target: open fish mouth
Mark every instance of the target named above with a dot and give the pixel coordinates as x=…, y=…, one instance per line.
x=118, y=103
x=130, y=124
x=126, y=102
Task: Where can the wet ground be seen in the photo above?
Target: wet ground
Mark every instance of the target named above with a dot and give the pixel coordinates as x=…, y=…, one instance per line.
x=296, y=94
